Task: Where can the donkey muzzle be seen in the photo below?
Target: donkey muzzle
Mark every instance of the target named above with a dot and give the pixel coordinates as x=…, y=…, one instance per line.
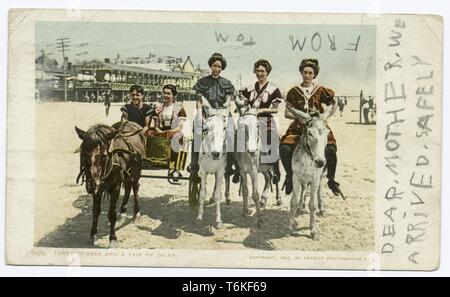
x=252, y=153
x=319, y=163
x=215, y=155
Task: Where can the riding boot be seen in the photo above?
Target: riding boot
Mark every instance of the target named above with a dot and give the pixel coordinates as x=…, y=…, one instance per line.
x=330, y=156
x=237, y=173
x=286, y=153
x=193, y=168
x=276, y=172
x=229, y=168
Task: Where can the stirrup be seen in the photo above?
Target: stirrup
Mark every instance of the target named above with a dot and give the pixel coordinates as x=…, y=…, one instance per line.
x=192, y=168
x=229, y=171
x=236, y=177
x=288, y=186
x=275, y=179
x=194, y=177
x=193, y=171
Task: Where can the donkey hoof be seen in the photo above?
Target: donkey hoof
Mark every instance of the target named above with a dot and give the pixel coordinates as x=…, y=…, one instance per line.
x=291, y=230
x=121, y=218
x=315, y=236
x=322, y=213
x=292, y=227
x=228, y=201
x=263, y=202
x=279, y=202
x=302, y=211
x=137, y=216
x=218, y=225
x=199, y=221
x=260, y=223
x=92, y=239
x=113, y=244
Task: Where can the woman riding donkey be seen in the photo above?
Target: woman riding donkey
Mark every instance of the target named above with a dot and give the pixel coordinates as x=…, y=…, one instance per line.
x=215, y=94
x=213, y=134
x=307, y=97
x=268, y=96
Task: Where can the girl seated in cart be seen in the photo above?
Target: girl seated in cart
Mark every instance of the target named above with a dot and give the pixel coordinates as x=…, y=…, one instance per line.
x=165, y=129
x=169, y=117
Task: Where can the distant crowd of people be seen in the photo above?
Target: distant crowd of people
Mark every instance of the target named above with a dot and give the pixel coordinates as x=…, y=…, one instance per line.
x=368, y=110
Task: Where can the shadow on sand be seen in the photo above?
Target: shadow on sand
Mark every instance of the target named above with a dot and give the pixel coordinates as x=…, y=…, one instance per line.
x=174, y=216
x=361, y=124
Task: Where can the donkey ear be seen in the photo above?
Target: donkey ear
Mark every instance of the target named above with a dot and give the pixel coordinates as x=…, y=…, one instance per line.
x=111, y=135
x=81, y=133
x=303, y=116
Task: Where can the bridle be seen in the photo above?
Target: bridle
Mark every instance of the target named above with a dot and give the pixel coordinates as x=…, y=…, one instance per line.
x=257, y=128
x=109, y=162
x=106, y=170
x=304, y=141
x=206, y=131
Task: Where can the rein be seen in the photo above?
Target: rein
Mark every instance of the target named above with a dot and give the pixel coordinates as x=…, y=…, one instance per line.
x=110, y=164
x=257, y=131
x=205, y=132
x=106, y=171
x=131, y=151
x=305, y=143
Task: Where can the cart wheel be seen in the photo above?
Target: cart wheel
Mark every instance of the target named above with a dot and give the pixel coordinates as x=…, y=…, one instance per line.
x=194, y=193
x=174, y=177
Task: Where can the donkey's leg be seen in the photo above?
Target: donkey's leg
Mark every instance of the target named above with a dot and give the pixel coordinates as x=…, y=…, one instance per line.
x=136, y=213
x=276, y=169
x=212, y=198
x=244, y=189
x=227, y=189
x=96, y=209
x=112, y=216
x=266, y=191
x=203, y=193
x=255, y=196
x=313, y=206
x=322, y=210
x=294, y=203
x=126, y=197
x=302, y=204
x=218, y=198
x=278, y=194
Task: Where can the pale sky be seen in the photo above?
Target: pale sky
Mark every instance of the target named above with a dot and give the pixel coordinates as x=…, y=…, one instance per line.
x=345, y=71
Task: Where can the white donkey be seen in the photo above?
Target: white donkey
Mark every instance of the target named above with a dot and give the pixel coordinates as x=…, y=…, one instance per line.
x=212, y=160
x=308, y=166
x=247, y=154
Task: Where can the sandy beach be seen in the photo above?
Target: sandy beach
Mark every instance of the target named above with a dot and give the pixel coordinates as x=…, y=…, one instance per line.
x=63, y=209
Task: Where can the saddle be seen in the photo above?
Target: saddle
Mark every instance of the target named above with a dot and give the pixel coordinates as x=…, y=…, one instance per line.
x=123, y=143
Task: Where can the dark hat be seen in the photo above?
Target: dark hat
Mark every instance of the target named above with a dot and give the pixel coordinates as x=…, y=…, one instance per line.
x=172, y=88
x=313, y=63
x=217, y=57
x=264, y=63
x=137, y=88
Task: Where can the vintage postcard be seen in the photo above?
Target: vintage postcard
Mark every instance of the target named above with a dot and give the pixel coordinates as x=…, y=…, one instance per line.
x=214, y=139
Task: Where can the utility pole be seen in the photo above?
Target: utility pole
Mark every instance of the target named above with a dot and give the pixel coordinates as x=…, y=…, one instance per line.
x=63, y=45
x=360, y=106
x=239, y=81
